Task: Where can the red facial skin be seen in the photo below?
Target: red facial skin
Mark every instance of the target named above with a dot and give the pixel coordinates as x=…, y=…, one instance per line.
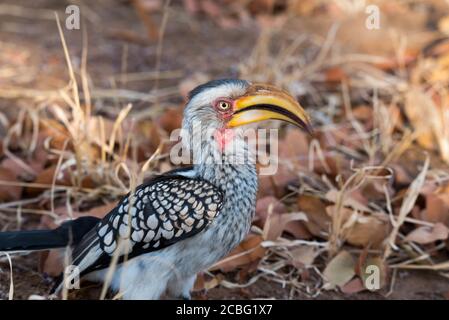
x=224, y=135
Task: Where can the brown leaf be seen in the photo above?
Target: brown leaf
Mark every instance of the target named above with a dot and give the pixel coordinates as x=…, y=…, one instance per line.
x=191, y=6
x=335, y=75
x=211, y=8
x=363, y=113
x=171, y=119
x=51, y=262
x=277, y=223
x=8, y=192
x=147, y=20
x=401, y=176
x=46, y=178
x=437, y=208
x=350, y=200
x=263, y=207
x=276, y=184
x=318, y=221
x=294, y=146
x=266, y=204
x=353, y=286
x=304, y=256
x=368, y=231
x=248, y=251
x=425, y=234
x=420, y=111
x=54, y=131
x=261, y=6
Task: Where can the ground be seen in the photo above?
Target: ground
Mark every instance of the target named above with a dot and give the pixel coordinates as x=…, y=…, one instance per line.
x=188, y=47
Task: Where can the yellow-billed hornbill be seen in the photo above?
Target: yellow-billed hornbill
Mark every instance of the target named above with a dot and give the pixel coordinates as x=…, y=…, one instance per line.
x=185, y=220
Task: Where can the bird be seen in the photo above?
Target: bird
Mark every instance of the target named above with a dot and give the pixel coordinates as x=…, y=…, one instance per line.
x=181, y=222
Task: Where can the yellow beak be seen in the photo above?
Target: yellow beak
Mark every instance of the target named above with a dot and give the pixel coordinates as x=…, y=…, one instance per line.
x=264, y=102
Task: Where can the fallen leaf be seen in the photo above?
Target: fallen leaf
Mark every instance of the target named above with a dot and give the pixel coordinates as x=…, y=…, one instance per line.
x=211, y=8
x=318, y=220
x=437, y=208
x=348, y=201
x=45, y=178
x=171, y=119
x=335, y=75
x=8, y=192
x=191, y=6
x=276, y=184
x=339, y=271
x=443, y=25
x=264, y=205
x=368, y=231
x=304, y=256
x=363, y=113
x=248, y=251
x=277, y=223
x=353, y=286
x=425, y=234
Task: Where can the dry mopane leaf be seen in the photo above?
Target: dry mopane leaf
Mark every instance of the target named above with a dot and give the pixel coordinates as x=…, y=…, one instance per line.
x=304, y=256
x=437, y=208
x=339, y=271
x=147, y=138
x=276, y=185
x=368, y=231
x=248, y=251
x=45, y=178
x=294, y=147
x=171, y=119
x=277, y=223
x=54, y=131
x=425, y=234
x=353, y=286
x=266, y=204
x=424, y=117
x=362, y=229
x=293, y=151
x=8, y=192
x=191, y=6
x=353, y=200
x=335, y=75
x=270, y=204
x=318, y=221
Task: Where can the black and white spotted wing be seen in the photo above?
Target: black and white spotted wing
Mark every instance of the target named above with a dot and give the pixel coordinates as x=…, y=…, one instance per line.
x=159, y=214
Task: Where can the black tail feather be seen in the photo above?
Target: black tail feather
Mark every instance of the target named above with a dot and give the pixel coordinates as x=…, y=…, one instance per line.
x=69, y=233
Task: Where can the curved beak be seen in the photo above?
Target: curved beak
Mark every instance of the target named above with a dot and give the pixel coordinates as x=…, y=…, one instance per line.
x=264, y=102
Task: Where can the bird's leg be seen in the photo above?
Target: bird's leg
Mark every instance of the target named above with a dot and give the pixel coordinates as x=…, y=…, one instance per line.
x=180, y=288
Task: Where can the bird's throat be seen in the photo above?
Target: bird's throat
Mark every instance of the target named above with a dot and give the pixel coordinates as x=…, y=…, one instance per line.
x=223, y=137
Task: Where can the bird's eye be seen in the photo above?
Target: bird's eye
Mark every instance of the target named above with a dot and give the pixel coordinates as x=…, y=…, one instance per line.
x=223, y=105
